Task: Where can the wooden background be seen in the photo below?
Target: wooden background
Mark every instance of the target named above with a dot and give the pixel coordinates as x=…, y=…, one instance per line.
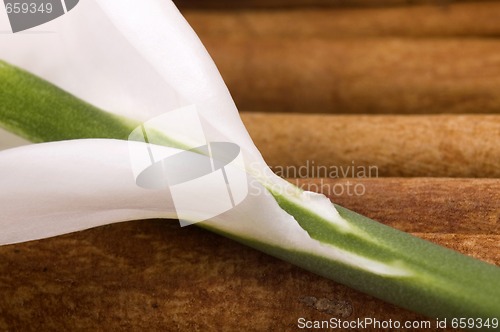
x=411, y=87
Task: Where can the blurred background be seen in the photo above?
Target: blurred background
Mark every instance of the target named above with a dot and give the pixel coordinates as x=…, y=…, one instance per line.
x=361, y=56
x=412, y=87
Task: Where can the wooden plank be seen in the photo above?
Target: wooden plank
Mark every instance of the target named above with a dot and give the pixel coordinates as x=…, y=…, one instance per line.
x=430, y=205
x=473, y=19
x=280, y=4
x=386, y=75
x=437, y=146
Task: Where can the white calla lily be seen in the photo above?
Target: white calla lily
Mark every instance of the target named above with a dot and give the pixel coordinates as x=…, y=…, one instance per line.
x=166, y=68
x=139, y=60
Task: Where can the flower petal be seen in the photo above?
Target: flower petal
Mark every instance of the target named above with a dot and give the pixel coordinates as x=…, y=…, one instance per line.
x=55, y=188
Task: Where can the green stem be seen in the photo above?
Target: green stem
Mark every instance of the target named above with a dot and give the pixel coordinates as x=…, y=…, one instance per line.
x=440, y=282
x=41, y=112
x=429, y=279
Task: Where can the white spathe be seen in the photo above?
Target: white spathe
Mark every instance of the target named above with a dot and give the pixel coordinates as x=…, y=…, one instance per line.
x=139, y=59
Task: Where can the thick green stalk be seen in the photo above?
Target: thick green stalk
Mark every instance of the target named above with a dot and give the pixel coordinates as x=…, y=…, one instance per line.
x=409, y=272
x=41, y=112
x=440, y=281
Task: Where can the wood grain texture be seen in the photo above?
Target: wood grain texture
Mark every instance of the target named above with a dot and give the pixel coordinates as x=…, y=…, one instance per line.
x=438, y=145
x=281, y=4
x=430, y=205
x=476, y=19
x=389, y=75
x=154, y=275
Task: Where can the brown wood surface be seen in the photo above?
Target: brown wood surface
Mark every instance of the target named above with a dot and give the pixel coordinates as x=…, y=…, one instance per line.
x=389, y=75
x=473, y=19
x=437, y=145
x=280, y=4
x=156, y=276
x=428, y=205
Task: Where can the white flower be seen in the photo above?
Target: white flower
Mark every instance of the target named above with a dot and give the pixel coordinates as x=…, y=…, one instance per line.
x=139, y=60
